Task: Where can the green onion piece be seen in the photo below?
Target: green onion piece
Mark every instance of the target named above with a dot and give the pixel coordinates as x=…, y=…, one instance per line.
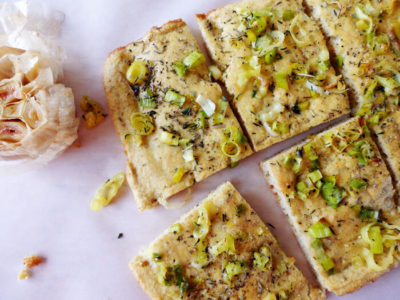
x=188, y=155
x=214, y=72
x=330, y=179
x=257, y=21
x=157, y=257
x=288, y=15
x=281, y=80
x=376, y=238
x=358, y=184
x=142, y=124
x=137, y=72
x=369, y=94
x=374, y=119
x=332, y=194
x=251, y=35
x=194, y=59
x=187, y=111
x=148, y=102
x=225, y=245
x=180, y=68
x=200, y=121
x=310, y=153
x=325, y=261
x=297, y=164
x=270, y=56
x=389, y=84
x=178, y=175
x=319, y=230
x=279, y=127
x=202, y=252
x=304, y=105
x=169, y=138
x=263, y=259
x=219, y=116
x=366, y=214
x=339, y=61
x=363, y=151
x=323, y=66
x=235, y=268
x=315, y=176
x=230, y=149
x=202, y=224
x=176, y=228
x=301, y=187
x=180, y=279
x=288, y=162
x=174, y=98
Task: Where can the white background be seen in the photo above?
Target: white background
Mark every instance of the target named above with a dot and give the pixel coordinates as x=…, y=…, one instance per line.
x=46, y=212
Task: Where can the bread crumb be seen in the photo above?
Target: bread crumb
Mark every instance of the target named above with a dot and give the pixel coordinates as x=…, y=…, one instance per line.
x=24, y=274
x=32, y=261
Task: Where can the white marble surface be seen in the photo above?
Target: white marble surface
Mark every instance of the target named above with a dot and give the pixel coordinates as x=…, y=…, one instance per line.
x=46, y=211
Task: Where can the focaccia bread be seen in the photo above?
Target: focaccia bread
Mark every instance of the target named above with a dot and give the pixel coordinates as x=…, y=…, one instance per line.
x=219, y=250
x=338, y=195
x=175, y=126
x=365, y=36
x=388, y=135
x=276, y=66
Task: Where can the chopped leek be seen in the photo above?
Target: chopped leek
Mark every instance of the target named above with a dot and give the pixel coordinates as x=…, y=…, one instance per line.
x=188, y=155
x=319, y=230
x=281, y=80
x=288, y=15
x=264, y=44
x=225, y=245
x=142, y=124
x=202, y=224
x=194, y=59
x=206, y=104
x=293, y=163
x=180, y=68
x=332, y=194
x=361, y=15
x=156, y=257
x=107, y=192
x=310, y=152
x=376, y=240
x=297, y=32
x=235, y=268
x=148, y=101
x=214, y=72
x=358, y=184
x=280, y=128
x=269, y=296
x=174, y=97
x=257, y=21
x=137, y=72
x=169, y=138
x=178, y=175
x=202, y=252
x=251, y=35
x=363, y=151
x=304, y=105
x=230, y=149
x=368, y=214
x=315, y=176
x=325, y=261
x=263, y=259
x=270, y=56
x=369, y=93
x=389, y=84
x=176, y=228
x=219, y=116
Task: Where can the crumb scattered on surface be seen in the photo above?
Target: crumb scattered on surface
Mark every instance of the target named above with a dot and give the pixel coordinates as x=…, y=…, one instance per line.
x=29, y=262
x=93, y=112
x=24, y=274
x=120, y=235
x=32, y=261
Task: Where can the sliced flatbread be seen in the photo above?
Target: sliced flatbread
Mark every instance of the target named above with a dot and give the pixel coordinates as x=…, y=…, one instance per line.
x=388, y=134
x=180, y=145
x=338, y=181
x=365, y=35
x=219, y=250
x=276, y=67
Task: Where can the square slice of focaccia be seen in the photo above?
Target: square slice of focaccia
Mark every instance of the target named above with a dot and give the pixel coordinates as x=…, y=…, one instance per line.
x=388, y=135
x=175, y=126
x=365, y=35
x=276, y=67
x=338, y=195
x=220, y=250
